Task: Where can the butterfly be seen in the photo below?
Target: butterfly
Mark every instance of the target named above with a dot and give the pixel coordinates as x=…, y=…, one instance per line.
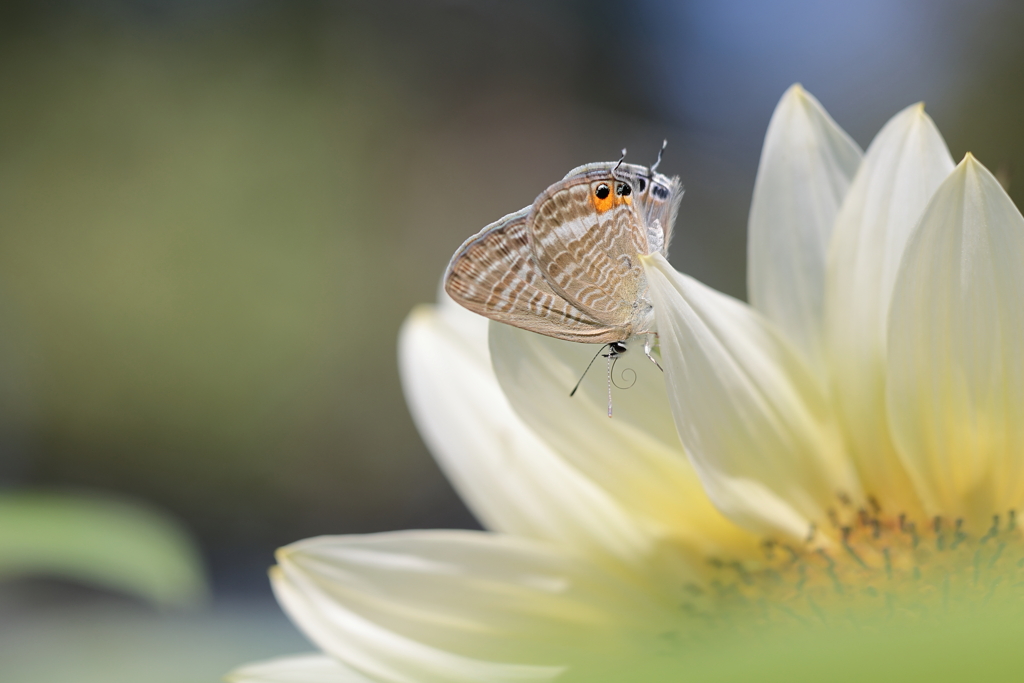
x=568, y=265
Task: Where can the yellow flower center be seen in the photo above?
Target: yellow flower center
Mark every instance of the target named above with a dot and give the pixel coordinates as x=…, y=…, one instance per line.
x=873, y=566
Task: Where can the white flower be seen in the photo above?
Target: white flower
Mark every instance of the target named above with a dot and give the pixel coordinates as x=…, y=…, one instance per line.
x=853, y=439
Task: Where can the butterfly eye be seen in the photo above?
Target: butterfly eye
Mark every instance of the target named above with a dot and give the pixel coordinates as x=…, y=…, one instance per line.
x=602, y=191
x=623, y=190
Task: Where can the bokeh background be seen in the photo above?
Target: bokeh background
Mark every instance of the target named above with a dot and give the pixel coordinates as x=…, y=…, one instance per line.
x=214, y=217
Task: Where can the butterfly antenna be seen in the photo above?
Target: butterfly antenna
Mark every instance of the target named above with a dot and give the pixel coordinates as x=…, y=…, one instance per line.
x=621, y=159
x=657, y=162
x=573, y=392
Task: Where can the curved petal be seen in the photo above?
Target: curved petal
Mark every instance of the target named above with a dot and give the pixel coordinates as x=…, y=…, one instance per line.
x=806, y=167
x=455, y=605
x=750, y=413
x=636, y=456
x=297, y=669
x=956, y=350
x=511, y=479
x=902, y=168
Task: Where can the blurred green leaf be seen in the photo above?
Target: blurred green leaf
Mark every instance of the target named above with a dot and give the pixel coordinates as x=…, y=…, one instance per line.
x=116, y=545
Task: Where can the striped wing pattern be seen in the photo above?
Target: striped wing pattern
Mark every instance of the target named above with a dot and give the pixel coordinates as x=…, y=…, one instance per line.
x=493, y=274
x=590, y=257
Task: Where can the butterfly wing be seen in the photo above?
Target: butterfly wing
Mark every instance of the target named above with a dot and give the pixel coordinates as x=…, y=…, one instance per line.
x=660, y=204
x=586, y=234
x=493, y=274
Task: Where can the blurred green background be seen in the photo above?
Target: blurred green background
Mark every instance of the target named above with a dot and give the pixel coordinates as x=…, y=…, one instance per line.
x=215, y=215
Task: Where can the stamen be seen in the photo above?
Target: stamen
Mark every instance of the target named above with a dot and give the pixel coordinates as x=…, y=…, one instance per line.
x=875, y=507
x=833, y=517
x=996, y=555
x=852, y=552
x=831, y=570
x=993, y=530
x=870, y=564
x=911, y=529
x=958, y=536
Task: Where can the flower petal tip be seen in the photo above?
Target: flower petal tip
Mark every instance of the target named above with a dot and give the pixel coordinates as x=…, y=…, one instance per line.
x=422, y=311
x=284, y=553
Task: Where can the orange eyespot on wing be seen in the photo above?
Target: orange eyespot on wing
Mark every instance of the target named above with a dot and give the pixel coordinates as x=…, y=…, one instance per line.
x=602, y=205
x=603, y=198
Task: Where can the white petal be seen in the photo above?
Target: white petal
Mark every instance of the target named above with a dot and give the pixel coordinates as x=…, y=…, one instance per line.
x=297, y=669
x=956, y=350
x=901, y=170
x=511, y=479
x=750, y=413
x=455, y=605
x=635, y=456
x=807, y=164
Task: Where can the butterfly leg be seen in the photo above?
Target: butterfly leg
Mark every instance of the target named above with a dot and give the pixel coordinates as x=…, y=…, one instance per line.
x=612, y=357
x=648, y=347
x=615, y=349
